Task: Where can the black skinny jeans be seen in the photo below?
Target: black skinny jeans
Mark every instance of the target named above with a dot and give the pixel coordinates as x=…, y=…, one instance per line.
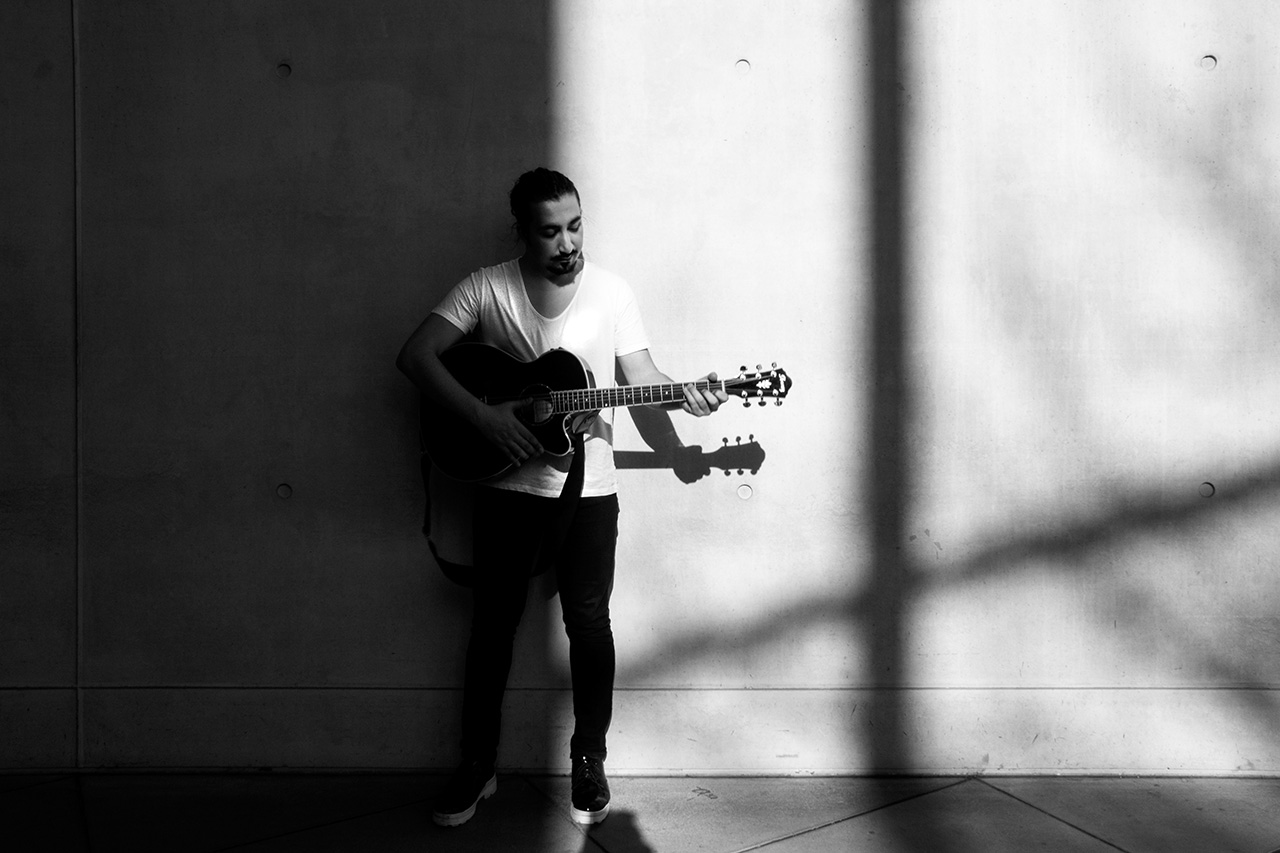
x=512, y=534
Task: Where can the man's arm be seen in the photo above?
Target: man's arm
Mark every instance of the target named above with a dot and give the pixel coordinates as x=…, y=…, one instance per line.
x=639, y=369
x=419, y=360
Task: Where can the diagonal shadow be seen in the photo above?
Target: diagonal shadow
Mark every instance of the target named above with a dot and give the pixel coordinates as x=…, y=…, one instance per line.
x=1134, y=515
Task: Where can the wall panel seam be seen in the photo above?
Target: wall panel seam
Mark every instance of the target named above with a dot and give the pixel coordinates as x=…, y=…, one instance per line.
x=77, y=467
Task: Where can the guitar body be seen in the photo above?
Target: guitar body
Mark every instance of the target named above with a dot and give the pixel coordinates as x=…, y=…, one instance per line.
x=492, y=375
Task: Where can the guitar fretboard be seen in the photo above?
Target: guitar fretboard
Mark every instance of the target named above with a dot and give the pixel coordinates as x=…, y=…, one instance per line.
x=595, y=399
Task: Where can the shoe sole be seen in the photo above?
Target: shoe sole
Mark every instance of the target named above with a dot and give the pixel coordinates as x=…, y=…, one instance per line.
x=490, y=788
x=588, y=818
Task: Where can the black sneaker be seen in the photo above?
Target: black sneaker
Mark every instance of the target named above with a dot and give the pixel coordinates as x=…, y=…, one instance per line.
x=456, y=802
x=590, y=790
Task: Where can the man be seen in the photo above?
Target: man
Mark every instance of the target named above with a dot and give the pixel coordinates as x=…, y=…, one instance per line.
x=549, y=297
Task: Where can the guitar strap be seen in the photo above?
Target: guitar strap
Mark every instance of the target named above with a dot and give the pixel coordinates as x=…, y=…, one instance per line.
x=447, y=522
x=566, y=505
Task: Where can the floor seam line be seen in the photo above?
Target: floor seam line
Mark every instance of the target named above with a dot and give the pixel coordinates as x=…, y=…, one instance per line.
x=837, y=821
x=1053, y=816
x=53, y=780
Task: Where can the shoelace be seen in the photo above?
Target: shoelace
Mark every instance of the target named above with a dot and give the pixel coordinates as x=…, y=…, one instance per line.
x=587, y=772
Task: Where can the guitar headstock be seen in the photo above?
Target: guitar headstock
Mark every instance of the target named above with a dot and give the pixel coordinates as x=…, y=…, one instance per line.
x=743, y=457
x=762, y=385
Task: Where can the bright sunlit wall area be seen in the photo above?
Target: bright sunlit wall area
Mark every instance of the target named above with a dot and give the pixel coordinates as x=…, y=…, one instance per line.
x=717, y=147
x=1088, y=547
x=1095, y=333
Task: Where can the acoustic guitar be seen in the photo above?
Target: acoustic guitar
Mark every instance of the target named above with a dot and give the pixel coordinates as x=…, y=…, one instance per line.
x=561, y=400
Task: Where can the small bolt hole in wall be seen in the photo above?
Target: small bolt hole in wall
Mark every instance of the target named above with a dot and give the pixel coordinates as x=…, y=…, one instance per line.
x=1208, y=62
x=283, y=70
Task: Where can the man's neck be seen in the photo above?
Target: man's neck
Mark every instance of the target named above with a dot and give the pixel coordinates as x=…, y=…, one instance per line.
x=550, y=295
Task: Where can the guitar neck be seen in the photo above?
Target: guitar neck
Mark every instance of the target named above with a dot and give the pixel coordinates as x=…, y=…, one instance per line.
x=623, y=396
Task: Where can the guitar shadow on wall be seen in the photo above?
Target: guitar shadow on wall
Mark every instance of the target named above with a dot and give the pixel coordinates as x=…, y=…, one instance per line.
x=690, y=463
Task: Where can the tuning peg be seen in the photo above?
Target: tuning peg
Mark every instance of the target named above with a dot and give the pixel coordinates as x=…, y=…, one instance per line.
x=739, y=472
x=758, y=367
x=742, y=369
x=746, y=404
x=775, y=365
x=777, y=402
x=762, y=402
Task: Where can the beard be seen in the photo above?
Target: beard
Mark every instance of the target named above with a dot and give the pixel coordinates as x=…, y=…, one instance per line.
x=564, y=264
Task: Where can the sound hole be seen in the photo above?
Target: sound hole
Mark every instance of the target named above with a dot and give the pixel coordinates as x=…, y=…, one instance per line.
x=539, y=410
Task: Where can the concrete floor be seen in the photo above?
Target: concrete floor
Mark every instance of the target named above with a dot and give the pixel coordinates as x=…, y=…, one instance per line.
x=388, y=812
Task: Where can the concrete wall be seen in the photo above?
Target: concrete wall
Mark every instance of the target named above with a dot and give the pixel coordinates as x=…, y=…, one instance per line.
x=1094, y=329
x=1014, y=516
x=38, y=566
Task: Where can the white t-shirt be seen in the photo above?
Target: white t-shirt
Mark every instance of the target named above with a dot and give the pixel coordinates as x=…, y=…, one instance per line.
x=600, y=324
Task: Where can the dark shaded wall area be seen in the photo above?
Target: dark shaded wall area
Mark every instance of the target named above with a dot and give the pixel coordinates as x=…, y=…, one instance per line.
x=37, y=385
x=221, y=222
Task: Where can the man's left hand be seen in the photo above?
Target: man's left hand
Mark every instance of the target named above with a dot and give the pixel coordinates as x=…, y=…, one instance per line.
x=701, y=402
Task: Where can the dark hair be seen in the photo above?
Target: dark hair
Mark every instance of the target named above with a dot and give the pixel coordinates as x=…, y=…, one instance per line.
x=534, y=187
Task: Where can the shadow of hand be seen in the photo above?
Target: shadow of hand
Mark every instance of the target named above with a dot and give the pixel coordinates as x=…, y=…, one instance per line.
x=690, y=464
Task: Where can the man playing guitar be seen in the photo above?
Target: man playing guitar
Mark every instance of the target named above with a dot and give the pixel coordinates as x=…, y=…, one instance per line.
x=550, y=297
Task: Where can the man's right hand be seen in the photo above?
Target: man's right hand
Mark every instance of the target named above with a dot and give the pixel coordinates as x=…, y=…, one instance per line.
x=501, y=425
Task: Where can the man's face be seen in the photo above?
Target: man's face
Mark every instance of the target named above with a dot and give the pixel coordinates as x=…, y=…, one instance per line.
x=553, y=245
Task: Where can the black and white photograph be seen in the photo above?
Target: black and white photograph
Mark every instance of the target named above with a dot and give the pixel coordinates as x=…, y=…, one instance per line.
x=640, y=426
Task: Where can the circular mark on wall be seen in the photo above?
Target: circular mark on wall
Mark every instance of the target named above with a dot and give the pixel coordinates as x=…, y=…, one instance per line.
x=284, y=490
x=1208, y=62
x=283, y=70
x=745, y=492
x=1207, y=490
x=742, y=66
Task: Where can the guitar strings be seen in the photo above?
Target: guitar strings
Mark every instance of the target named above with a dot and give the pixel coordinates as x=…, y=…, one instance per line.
x=585, y=399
